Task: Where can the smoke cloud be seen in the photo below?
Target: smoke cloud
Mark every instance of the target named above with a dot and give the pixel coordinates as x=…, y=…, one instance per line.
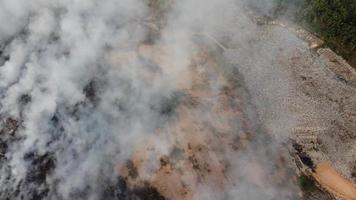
x=76, y=87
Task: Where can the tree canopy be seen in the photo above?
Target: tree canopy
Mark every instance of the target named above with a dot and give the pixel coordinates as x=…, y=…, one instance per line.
x=333, y=20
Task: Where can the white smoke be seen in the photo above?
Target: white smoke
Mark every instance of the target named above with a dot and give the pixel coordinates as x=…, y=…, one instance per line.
x=55, y=49
x=88, y=113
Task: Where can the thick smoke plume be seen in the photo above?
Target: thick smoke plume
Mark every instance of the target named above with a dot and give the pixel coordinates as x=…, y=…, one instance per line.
x=80, y=99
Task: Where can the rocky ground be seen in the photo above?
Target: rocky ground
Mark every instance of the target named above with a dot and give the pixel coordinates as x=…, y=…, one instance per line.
x=325, y=97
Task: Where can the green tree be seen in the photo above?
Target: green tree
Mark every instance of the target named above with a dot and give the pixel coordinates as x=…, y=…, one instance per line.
x=334, y=21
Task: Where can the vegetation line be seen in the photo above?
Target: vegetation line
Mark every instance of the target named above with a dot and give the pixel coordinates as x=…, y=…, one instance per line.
x=334, y=21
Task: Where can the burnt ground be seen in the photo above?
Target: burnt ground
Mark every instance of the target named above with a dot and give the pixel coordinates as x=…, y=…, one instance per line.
x=323, y=96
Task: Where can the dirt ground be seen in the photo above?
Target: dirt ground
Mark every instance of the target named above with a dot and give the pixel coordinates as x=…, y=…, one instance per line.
x=334, y=182
x=318, y=87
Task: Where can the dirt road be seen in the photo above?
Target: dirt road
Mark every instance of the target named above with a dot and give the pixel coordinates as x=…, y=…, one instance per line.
x=329, y=178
